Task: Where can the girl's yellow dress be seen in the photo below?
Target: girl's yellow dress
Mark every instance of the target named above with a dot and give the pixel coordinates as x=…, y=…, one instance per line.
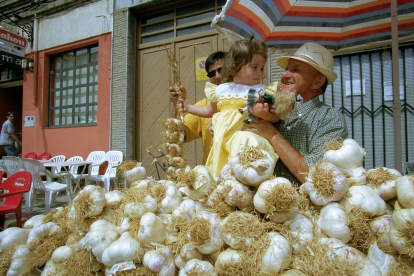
x=228, y=121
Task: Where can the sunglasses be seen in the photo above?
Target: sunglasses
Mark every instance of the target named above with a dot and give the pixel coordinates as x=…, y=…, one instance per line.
x=212, y=73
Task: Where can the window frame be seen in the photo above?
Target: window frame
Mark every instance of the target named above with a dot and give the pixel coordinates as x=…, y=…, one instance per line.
x=73, y=106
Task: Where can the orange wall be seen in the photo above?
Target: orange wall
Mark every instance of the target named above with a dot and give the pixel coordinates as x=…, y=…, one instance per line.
x=69, y=141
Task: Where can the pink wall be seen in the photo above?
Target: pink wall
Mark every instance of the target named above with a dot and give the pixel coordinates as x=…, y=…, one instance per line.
x=69, y=141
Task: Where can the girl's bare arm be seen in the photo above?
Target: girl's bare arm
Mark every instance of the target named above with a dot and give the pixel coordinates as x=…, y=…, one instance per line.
x=201, y=111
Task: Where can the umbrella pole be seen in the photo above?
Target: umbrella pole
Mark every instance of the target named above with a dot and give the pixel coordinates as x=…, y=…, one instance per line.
x=396, y=107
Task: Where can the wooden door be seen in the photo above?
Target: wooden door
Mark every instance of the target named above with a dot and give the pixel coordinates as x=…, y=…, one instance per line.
x=152, y=99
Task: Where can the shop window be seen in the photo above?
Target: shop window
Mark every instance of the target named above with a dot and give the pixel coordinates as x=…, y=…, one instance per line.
x=73, y=97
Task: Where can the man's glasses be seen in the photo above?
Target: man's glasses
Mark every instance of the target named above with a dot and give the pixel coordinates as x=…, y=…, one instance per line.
x=212, y=73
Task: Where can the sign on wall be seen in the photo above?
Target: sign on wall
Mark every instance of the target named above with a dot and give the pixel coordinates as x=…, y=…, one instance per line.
x=200, y=69
x=11, y=50
x=11, y=60
x=13, y=39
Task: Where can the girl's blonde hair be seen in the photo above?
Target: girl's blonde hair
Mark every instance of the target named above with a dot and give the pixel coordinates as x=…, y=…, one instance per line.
x=240, y=54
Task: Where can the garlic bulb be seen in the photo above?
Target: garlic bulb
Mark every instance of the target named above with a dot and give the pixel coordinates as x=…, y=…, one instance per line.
x=382, y=180
x=356, y=177
x=254, y=172
x=171, y=201
x=227, y=260
x=325, y=183
x=33, y=221
x=126, y=248
x=383, y=261
x=214, y=241
x=152, y=229
x=236, y=194
x=138, y=209
x=187, y=252
x=96, y=195
x=100, y=236
x=302, y=229
x=113, y=198
x=59, y=256
x=160, y=261
x=333, y=222
x=137, y=173
x=41, y=232
x=241, y=239
x=278, y=256
x=365, y=199
x=402, y=231
x=199, y=267
x=381, y=226
x=348, y=157
x=225, y=173
x=13, y=236
x=277, y=198
x=187, y=209
x=201, y=185
x=349, y=254
x=405, y=191
x=20, y=263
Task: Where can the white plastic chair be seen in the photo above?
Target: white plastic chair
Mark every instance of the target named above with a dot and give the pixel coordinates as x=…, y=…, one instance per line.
x=51, y=189
x=13, y=165
x=3, y=169
x=114, y=159
x=97, y=158
x=73, y=170
x=58, y=158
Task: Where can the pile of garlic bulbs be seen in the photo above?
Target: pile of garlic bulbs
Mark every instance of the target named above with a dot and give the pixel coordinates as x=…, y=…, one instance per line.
x=342, y=221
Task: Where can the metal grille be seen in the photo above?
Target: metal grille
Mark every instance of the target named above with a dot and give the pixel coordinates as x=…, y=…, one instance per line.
x=363, y=92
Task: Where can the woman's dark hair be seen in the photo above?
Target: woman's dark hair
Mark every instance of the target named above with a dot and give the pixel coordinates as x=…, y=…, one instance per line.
x=213, y=58
x=240, y=54
x=11, y=113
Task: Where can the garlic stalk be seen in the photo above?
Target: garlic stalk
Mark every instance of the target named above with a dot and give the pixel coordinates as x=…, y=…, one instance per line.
x=152, y=229
x=348, y=157
x=12, y=237
x=100, y=236
x=199, y=267
x=325, y=183
x=402, y=231
x=21, y=264
x=383, y=180
x=292, y=272
x=126, y=248
x=187, y=252
x=333, y=222
x=160, y=261
x=278, y=199
x=252, y=172
x=405, y=191
x=381, y=226
x=365, y=199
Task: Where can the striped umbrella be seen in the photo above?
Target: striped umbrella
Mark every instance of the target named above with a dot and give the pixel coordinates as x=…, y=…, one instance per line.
x=336, y=24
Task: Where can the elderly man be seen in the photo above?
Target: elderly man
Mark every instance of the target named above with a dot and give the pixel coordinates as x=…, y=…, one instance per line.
x=196, y=127
x=300, y=140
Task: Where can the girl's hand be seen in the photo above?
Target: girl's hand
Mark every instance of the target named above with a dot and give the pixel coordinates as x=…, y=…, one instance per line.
x=185, y=105
x=261, y=110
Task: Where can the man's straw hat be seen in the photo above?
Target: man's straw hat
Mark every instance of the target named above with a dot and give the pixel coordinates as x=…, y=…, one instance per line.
x=314, y=55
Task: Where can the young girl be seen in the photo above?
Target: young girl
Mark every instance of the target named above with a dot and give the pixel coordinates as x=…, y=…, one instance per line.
x=242, y=72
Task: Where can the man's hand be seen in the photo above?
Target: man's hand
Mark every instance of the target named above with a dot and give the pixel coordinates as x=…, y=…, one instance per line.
x=262, y=128
x=174, y=92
